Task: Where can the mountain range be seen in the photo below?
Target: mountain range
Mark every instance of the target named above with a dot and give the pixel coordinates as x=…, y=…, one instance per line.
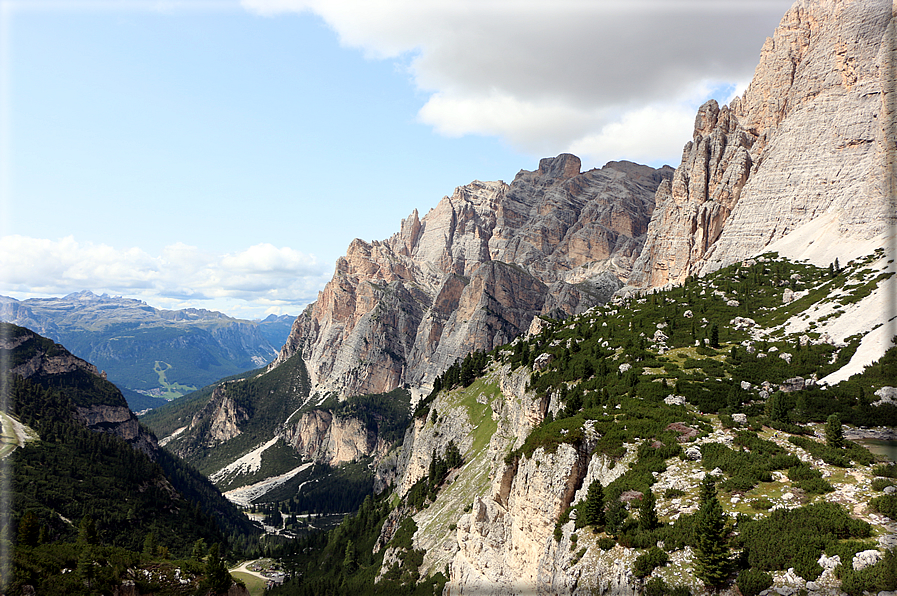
x=627, y=380
x=151, y=354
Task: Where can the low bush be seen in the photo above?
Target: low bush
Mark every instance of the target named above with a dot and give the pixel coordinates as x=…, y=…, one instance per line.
x=753, y=581
x=886, y=470
x=886, y=505
x=646, y=562
x=796, y=537
x=880, y=484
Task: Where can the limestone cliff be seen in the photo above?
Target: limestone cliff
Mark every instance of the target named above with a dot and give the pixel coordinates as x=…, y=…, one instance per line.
x=807, y=139
x=473, y=272
x=494, y=521
x=321, y=437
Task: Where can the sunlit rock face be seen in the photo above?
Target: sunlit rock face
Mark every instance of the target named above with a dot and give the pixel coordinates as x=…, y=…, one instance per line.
x=806, y=139
x=473, y=272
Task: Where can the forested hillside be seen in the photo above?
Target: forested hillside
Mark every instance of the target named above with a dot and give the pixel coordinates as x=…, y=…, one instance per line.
x=680, y=440
x=91, y=492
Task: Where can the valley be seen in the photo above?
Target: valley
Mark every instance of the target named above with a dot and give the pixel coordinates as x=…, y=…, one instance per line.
x=626, y=380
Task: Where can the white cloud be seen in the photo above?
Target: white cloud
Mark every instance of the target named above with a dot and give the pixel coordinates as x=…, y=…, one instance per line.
x=256, y=281
x=552, y=76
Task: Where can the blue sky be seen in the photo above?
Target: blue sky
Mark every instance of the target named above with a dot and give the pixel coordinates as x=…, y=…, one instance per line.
x=222, y=154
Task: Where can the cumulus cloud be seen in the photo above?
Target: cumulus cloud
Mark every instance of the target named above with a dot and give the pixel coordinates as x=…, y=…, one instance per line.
x=261, y=279
x=553, y=76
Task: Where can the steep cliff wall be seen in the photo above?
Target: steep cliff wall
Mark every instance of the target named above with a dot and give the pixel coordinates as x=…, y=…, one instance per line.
x=321, y=437
x=473, y=272
x=807, y=139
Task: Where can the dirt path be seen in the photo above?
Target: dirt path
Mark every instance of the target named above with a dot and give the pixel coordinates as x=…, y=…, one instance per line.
x=242, y=568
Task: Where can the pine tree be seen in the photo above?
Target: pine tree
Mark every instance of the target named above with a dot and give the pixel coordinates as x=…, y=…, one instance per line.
x=834, y=436
x=29, y=529
x=711, y=548
x=595, y=504
x=217, y=578
x=349, y=558
x=647, y=513
x=616, y=516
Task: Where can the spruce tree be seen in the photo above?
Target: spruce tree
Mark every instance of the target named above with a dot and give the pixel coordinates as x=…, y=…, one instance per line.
x=349, y=558
x=616, y=516
x=711, y=548
x=834, y=436
x=217, y=578
x=595, y=504
x=647, y=513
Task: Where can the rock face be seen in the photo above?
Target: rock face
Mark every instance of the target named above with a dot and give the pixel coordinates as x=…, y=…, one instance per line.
x=806, y=139
x=222, y=415
x=322, y=437
x=473, y=272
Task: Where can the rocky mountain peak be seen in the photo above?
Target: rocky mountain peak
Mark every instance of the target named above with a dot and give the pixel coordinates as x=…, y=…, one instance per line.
x=805, y=140
x=563, y=166
x=473, y=272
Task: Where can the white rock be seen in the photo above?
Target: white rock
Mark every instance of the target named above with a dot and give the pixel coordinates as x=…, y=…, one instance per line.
x=674, y=400
x=866, y=558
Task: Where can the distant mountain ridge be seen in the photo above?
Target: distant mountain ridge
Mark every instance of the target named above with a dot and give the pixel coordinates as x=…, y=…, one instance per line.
x=143, y=349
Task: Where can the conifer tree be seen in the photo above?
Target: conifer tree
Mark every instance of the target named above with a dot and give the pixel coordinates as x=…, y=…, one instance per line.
x=647, y=513
x=217, y=578
x=616, y=516
x=349, y=558
x=834, y=436
x=29, y=529
x=711, y=548
x=595, y=504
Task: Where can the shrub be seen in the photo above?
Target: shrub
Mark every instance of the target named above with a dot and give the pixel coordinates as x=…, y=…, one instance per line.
x=657, y=587
x=753, y=581
x=886, y=470
x=646, y=562
x=606, y=543
x=880, y=484
x=761, y=503
x=796, y=537
x=886, y=505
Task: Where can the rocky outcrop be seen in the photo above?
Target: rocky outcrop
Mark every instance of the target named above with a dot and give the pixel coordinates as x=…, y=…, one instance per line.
x=119, y=421
x=33, y=357
x=324, y=438
x=806, y=139
x=222, y=415
x=473, y=272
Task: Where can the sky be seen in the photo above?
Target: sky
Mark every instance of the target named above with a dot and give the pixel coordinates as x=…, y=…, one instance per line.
x=223, y=154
